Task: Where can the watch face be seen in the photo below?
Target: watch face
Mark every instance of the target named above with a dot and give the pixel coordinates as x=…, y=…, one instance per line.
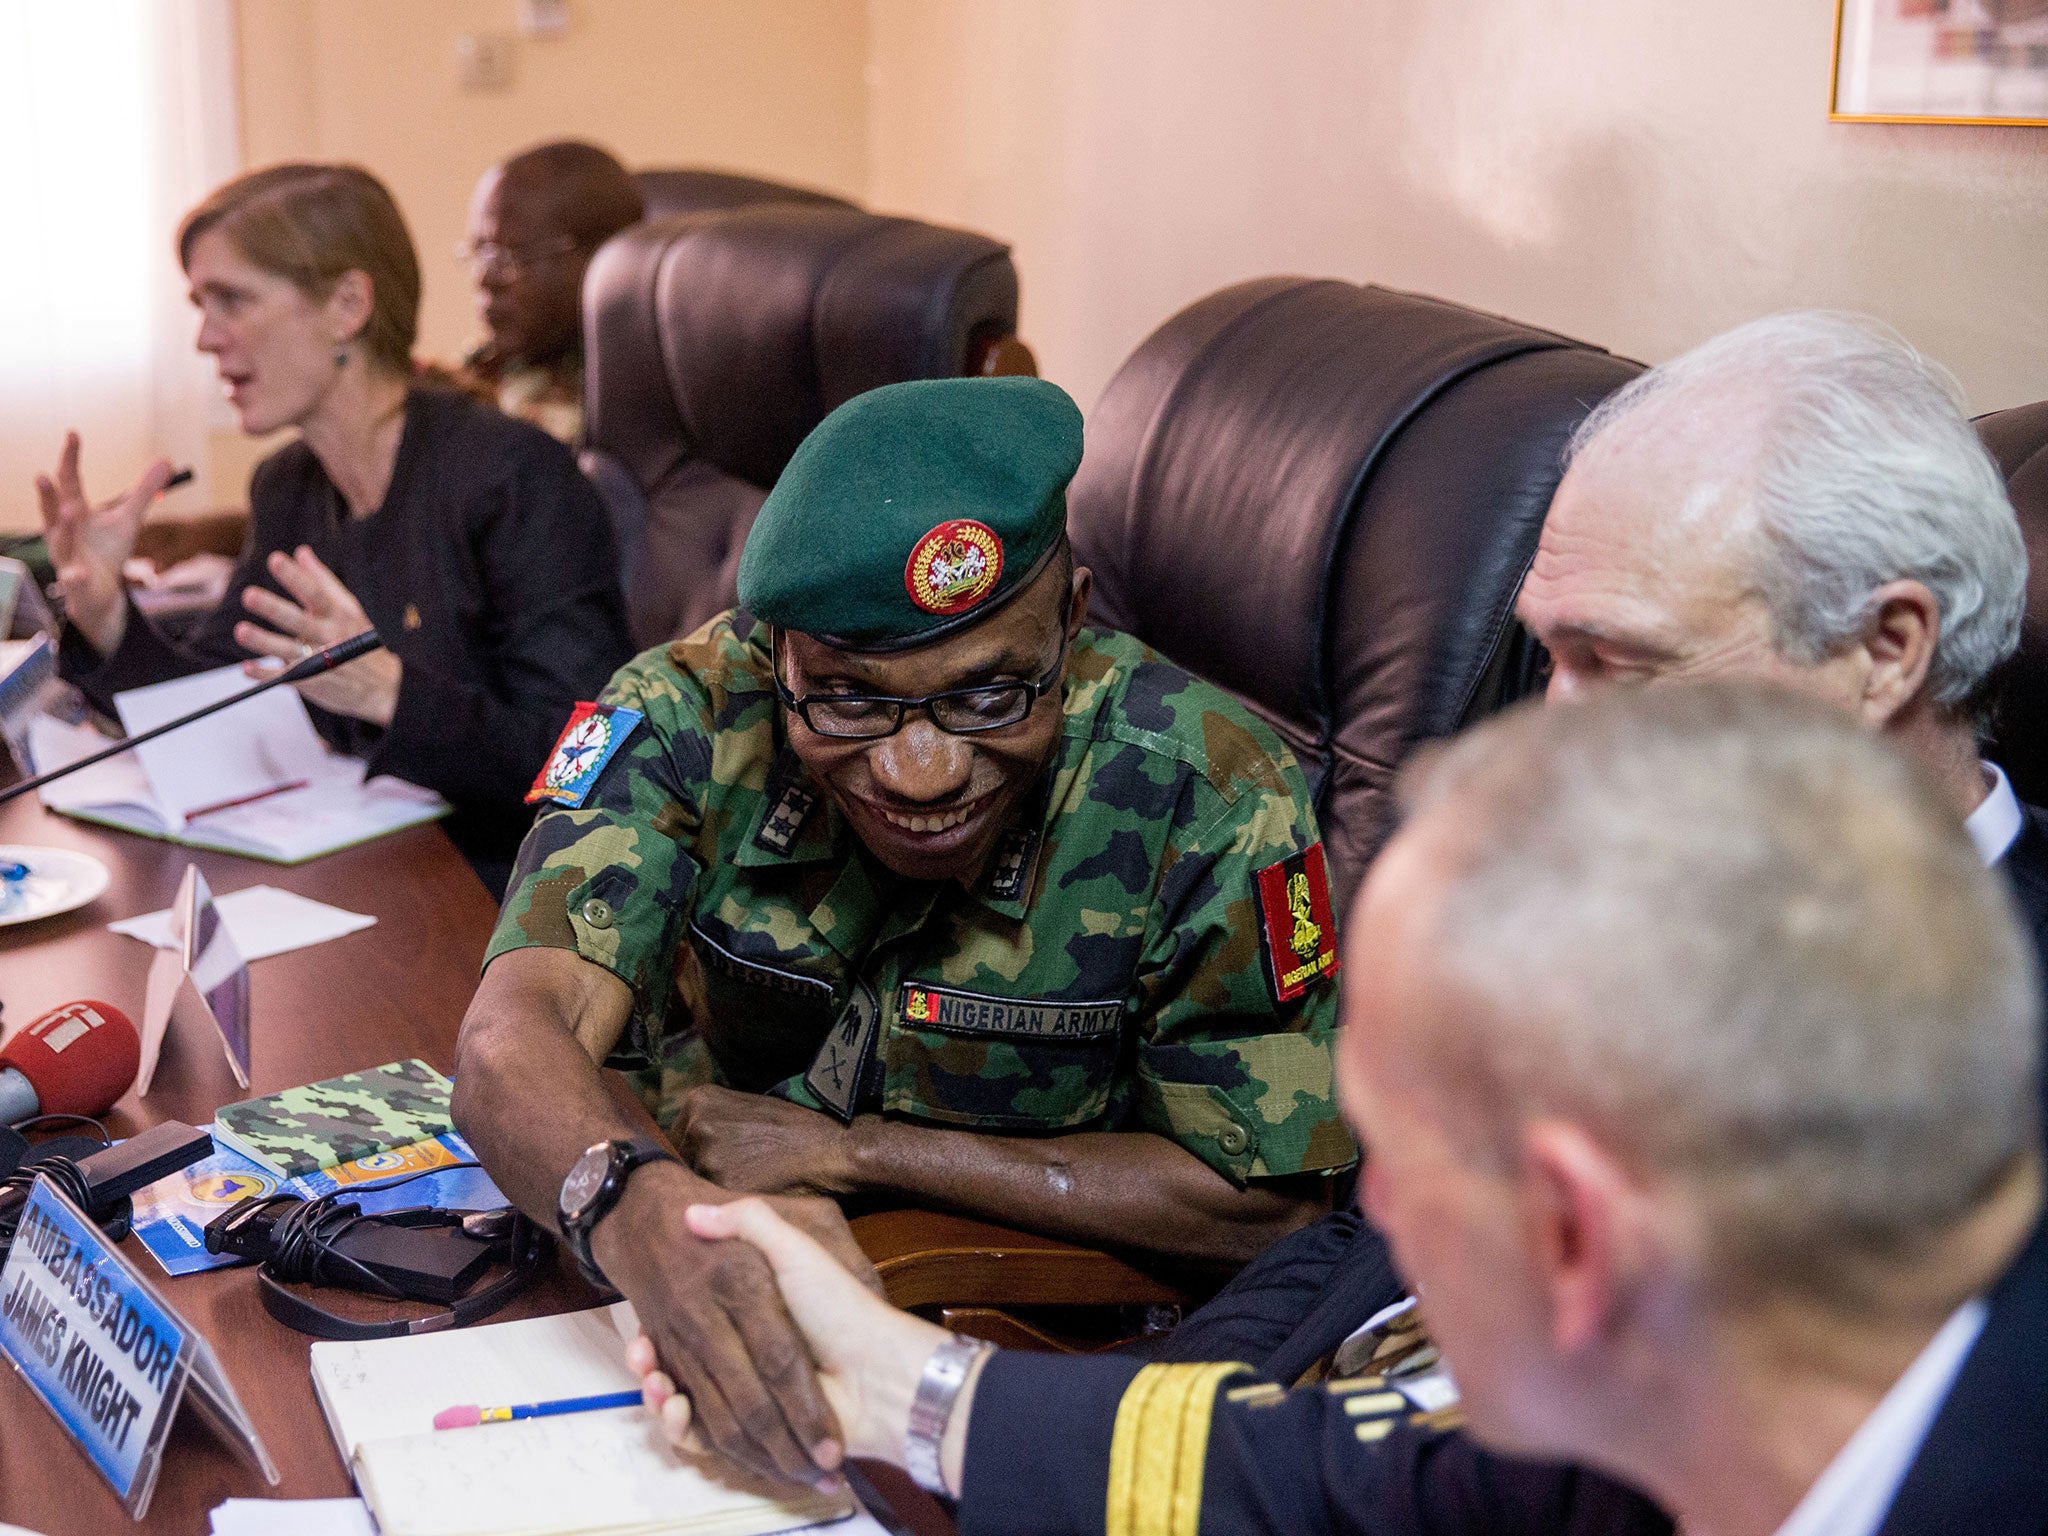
x=585, y=1179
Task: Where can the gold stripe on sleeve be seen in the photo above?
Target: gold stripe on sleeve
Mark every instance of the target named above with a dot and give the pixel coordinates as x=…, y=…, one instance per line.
x=1159, y=1449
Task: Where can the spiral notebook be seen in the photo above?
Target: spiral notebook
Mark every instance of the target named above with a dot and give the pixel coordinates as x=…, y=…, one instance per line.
x=578, y=1474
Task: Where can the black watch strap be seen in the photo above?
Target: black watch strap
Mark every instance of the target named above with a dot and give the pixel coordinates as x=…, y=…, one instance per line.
x=626, y=1155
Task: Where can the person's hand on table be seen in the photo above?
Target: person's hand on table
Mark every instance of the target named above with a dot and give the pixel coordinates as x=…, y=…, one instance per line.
x=88, y=543
x=717, y=1326
x=754, y=1144
x=320, y=612
x=870, y=1355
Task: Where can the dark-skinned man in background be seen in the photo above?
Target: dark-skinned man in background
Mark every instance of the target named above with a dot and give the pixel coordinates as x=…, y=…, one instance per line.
x=899, y=883
x=534, y=223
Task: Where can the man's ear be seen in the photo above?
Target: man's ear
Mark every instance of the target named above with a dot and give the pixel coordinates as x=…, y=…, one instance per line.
x=1899, y=640
x=1577, y=1209
x=350, y=303
x=1077, y=606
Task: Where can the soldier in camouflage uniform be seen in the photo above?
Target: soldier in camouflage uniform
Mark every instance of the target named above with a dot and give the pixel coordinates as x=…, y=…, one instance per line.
x=900, y=881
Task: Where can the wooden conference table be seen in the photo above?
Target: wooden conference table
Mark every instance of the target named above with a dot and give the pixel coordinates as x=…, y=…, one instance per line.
x=392, y=991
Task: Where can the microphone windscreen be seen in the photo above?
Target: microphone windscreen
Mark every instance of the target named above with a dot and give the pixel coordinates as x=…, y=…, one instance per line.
x=79, y=1058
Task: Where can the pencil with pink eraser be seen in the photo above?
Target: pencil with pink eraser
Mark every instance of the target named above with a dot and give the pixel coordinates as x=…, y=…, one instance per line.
x=467, y=1415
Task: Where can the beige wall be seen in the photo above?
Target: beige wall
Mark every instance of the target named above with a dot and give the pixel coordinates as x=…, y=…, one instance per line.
x=1641, y=173
x=769, y=86
x=1635, y=172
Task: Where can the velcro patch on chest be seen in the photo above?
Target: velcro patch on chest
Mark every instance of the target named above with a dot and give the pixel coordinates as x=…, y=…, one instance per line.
x=974, y=1013
x=754, y=973
x=594, y=733
x=1296, y=922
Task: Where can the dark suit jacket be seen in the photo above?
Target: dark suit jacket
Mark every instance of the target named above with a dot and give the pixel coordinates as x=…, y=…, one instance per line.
x=1038, y=1448
x=2026, y=871
x=1983, y=1467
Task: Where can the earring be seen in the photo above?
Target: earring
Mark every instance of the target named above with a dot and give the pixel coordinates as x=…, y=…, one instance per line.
x=341, y=357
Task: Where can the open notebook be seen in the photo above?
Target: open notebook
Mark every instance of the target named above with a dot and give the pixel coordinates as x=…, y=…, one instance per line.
x=254, y=779
x=568, y=1475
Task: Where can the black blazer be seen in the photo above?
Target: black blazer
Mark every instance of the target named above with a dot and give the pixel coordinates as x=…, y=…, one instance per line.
x=1983, y=1467
x=490, y=572
x=2026, y=871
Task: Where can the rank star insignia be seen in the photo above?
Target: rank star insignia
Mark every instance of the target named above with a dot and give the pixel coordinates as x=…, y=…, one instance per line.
x=593, y=734
x=789, y=806
x=1012, y=863
x=954, y=566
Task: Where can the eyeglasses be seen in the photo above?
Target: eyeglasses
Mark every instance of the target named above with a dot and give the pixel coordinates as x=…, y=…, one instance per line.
x=956, y=711
x=482, y=255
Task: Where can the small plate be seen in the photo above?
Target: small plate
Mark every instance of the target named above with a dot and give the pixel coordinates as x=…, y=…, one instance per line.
x=58, y=881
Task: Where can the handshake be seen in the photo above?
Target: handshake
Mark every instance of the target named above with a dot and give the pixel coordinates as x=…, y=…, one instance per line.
x=870, y=1357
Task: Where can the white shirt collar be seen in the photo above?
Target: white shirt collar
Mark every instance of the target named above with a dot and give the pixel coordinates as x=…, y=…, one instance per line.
x=1996, y=821
x=1851, y=1497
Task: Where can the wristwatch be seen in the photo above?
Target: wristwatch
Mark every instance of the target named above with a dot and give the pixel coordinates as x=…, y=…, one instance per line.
x=931, y=1408
x=593, y=1186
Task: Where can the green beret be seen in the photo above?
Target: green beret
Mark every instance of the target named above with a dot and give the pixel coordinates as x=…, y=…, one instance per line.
x=914, y=510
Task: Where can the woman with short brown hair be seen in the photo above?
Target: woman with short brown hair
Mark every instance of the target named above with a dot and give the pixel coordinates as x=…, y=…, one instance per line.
x=470, y=541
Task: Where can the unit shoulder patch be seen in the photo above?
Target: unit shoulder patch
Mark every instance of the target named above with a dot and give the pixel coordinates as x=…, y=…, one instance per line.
x=594, y=733
x=1296, y=923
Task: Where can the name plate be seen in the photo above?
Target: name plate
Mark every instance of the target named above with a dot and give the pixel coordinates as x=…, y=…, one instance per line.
x=106, y=1354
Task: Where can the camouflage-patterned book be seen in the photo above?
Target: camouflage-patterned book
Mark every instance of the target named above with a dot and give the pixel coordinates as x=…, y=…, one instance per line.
x=356, y=1115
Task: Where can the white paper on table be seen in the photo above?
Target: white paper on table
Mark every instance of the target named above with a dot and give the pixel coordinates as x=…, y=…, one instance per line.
x=293, y=1517
x=261, y=920
x=254, y=748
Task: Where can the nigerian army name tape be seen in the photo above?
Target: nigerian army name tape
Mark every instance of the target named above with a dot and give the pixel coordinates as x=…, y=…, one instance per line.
x=971, y=1013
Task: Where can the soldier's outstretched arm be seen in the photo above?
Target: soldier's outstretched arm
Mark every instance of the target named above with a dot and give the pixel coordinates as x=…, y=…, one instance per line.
x=530, y=1097
x=1125, y=1189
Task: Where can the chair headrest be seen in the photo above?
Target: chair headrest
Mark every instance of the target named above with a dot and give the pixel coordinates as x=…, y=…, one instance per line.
x=1324, y=497
x=2018, y=439
x=669, y=192
x=754, y=322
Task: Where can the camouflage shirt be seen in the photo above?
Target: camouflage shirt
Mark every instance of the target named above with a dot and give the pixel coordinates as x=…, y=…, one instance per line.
x=1109, y=972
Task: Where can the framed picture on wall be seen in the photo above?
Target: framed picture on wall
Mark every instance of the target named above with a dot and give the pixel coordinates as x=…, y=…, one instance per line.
x=1941, y=61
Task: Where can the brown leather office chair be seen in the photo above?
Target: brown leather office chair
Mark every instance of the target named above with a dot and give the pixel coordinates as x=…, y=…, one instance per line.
x=715, y=341
x=1324, y=497
x=668, y=192
x=2018, y=439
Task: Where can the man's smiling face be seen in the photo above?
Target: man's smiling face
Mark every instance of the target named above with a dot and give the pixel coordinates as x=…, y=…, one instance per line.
x=930, y=804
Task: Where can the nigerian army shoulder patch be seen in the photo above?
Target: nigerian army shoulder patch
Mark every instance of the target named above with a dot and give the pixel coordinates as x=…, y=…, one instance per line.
x=1296, y=923
x=593, y=734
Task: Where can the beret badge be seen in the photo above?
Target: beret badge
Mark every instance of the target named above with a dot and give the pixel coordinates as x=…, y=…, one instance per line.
x=954, y=567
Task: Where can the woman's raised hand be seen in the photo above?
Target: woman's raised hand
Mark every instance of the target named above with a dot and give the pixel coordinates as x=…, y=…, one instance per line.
x=88, y=543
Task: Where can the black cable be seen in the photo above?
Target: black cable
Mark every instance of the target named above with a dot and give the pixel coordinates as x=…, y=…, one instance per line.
x=304, y=1239
x=42, y=1121
x=63, y=1173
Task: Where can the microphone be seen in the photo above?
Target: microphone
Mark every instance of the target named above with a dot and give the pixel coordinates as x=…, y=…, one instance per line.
x=338, y=654
x=74, y=1060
